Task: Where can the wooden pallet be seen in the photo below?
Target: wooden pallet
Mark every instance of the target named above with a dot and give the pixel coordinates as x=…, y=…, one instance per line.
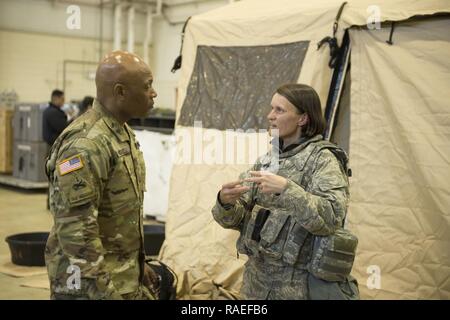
x=6, y=139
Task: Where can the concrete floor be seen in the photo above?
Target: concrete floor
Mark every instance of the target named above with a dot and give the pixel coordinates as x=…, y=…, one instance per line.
x=21, y=211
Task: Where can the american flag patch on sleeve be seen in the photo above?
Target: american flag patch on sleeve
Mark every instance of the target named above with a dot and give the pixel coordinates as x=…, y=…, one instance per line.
x=70, y=164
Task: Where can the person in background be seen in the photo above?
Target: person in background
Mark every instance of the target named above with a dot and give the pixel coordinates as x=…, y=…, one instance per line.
x=85, y=104
x=54, y=120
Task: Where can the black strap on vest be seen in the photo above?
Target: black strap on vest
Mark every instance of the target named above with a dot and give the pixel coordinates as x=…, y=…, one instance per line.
x=332, y=41
x=178, y=60
x=342, y=157
x=338, y=152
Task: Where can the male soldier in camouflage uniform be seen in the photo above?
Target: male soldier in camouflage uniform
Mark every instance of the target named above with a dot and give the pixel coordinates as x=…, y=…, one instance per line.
x=97, y=182
x=278, y=214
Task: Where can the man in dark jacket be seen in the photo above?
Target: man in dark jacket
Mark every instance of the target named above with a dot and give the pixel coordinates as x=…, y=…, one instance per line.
x=54, y=120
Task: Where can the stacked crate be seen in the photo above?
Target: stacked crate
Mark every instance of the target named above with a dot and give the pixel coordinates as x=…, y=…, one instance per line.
x=6, y=139
x=30, y=150
x=8, y=99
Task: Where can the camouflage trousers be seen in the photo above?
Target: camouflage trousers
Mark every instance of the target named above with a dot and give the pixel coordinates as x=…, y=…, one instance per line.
x=263, y=281
x=142, y=293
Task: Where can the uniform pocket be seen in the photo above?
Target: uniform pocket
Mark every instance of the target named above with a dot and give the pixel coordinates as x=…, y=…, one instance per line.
x=274, y=235
x=245, y=244
x=120, y=212
x=295, y=241
x=121, y=192
x=141, y=170
x=77, y=188
x=128, y=164
x=333, y=255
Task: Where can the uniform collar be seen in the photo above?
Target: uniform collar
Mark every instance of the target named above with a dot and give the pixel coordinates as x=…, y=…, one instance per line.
x=119, y=130
x=297, y=147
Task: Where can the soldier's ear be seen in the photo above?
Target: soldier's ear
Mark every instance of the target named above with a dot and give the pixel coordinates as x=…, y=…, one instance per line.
x=119, y=91
x=303, y=120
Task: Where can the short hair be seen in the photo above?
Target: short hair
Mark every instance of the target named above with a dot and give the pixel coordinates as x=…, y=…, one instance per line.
x=306, y=100
x=86, y=103
x=57, y=93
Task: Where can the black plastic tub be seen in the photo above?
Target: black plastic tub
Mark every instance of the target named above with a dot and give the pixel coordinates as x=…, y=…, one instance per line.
x=27, y=249
x=154, y=236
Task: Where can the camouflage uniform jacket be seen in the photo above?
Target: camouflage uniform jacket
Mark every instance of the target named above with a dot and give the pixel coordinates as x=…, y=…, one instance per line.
x=97, y=181
x=314, y=202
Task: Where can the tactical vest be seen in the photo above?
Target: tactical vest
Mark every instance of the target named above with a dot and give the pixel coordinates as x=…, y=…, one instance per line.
x=276, y=237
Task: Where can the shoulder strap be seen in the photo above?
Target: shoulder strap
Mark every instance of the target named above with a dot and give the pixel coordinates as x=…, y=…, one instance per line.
x=340, y=155
x=338, y=152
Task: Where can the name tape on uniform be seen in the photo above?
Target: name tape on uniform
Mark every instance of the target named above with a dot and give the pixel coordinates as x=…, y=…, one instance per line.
x=70, y=164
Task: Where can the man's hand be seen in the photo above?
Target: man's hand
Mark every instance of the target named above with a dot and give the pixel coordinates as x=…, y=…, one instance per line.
x=231, y=192
x=268, y=182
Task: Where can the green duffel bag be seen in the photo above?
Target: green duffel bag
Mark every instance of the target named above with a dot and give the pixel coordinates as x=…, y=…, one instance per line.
x=332, y=256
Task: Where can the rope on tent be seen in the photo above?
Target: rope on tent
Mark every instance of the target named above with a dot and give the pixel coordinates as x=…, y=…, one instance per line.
x=390, y=35
x=178, y=60
x=332, y=41
x=338, y=16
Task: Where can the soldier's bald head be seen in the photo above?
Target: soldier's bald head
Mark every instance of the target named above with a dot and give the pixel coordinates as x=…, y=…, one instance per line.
x=124, y=85
x=118, y=67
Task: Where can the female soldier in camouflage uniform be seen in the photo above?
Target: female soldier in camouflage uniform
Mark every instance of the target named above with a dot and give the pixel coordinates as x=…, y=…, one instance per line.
x=277, y=213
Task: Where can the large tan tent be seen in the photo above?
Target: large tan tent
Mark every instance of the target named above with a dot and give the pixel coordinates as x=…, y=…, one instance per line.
x=386, y=100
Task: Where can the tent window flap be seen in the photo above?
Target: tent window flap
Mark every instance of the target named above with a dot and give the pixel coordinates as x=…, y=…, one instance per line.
x=231, y=87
